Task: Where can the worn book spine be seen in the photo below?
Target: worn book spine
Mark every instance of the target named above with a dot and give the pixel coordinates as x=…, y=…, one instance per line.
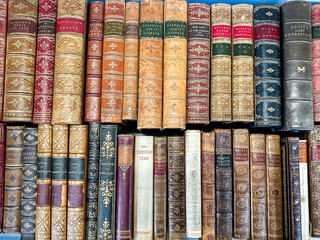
x=315, y=21
x=285, y=188
x=2, y=172
x=131, y=62
x=267, y=66
x=241, y=184
x=93, y=180
x=112, y=66
x=69, y=63
x=160, y=187
x=13, y=180
x=107, y=182
x=3, y=38
x=125, y=187
x=175, y=64
x=297, y=66
x=94, y=62
x=198, y=65
x=60, y=140
x=43, y=88
x=150, y=65
x=224, y=211
x=20, y=60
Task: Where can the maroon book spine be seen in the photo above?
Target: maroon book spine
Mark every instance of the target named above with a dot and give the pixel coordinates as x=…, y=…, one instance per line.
x=3, y=34
x=2, y=158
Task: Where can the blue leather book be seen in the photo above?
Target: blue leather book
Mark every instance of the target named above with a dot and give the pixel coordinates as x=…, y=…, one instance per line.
x=4, y=236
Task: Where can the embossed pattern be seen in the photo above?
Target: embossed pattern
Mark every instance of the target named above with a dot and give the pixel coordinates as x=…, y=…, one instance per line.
x=3, y=38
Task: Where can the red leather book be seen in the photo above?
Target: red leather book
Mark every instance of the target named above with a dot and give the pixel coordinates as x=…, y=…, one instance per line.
x=2, y=158
x=3, y=34
x=315, y=17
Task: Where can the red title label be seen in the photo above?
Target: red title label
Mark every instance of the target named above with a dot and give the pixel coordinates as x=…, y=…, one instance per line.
x=70, y=25
x=242, y=32
x=221, y=31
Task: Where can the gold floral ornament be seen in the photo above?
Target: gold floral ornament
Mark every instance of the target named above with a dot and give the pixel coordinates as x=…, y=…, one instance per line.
x=108, y=149
x=107, y=190
x=105, y=232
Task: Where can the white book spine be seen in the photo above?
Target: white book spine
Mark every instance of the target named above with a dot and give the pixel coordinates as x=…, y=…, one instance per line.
x=303, y=168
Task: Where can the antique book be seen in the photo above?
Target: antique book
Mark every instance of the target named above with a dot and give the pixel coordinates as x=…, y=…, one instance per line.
x=297, y=68
x=160, y=211
x=242, y=63
x=224, y=214
x=112, y=66
x=208, y=185
x=93, y=180
x=43, y=87
x=2, y=166
x=175, y=64
x=125, y=187
x=315, y=21
x=150, y=64
x=241, y=184
x=267, y=66
x=69, y=63
x=220, y=105
x=131, y=62
x=20, y=60
x=198, y=65
x=143, y=188
x=107, y=182
x=94, y=62
x=285, y=189
x=176, y=188
x=43, y=201
x=60, y=142
x=3, y=38
x=13, y=180
x=274, y=187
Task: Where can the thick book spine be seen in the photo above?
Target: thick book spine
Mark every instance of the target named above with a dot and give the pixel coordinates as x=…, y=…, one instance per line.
x=315, y=21
x=241, y=184
x=3, y=38
x=13, y=180
x=94, y=62
x=267, y=66
x=2, y=166
x=125, y=187
x=131, y=62
x=150, y=64
x=160, y=188
x=20, y=60
x=107, y=181
x=297, y=65
x=43, y=88
x=198, y=65
x=69, y=62
x=175, y=64
x=112, y=70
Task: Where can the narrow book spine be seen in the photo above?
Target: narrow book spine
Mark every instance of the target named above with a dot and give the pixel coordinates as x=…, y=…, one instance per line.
x=2, y=166
x=315, y=21
x=285, y=188
x=3, y=38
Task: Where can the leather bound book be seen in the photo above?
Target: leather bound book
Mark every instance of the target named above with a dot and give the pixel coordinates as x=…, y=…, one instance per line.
x=112, y=66
x=242, y=63
x=107, y=182
x=285, y=189
x=160, y=188
x=60, y=140
x=175, y=64
x=2, y=165
x=3, y=37
x=274, y=187
x=315, y=21
x=94, y=62
x=20, y=60
x=13, y=180
x=198, y=64
x=241, y=184
x=43, y=88
x=125, y=187
x=150, y=64
x=297, y=68
x=69, y=62
x=131, y=62
x=267, y=66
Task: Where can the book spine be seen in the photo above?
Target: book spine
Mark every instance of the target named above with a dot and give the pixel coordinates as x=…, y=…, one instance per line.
x=69, y=62
x=267, y=66
x=160, y=188
x=93, y=180
x=107, y=182
x=297, y=66
x=150, y=65
x=285, y=188
x=315, y=22
x=112, y=70
x=131, y=62
x=20, y=60
x=42, y=108
x=3, y=38
x=2, y=166
x=198, y=65
x=43, y=201
x=241, y=184
x=13, y=180
x=176, y=188
x=124, y=187
x=60, y=140
x=175, y=64
x=94, y=62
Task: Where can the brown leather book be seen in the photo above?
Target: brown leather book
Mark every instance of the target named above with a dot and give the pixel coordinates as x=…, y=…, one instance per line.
x=3, y=37
x=2, y=163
